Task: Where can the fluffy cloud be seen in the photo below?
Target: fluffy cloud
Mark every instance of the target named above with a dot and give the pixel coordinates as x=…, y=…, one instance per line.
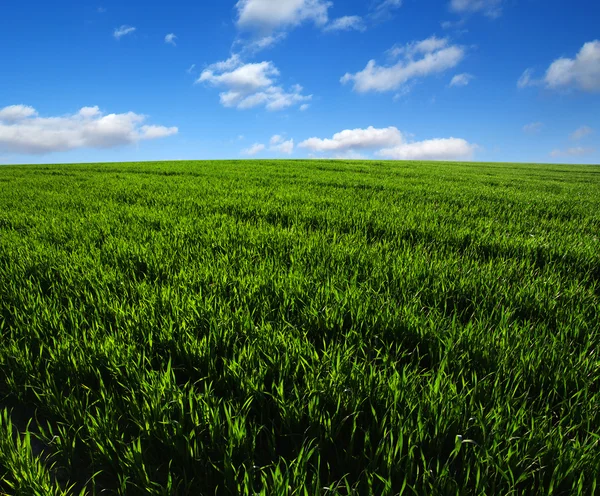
x=346, y=23
x=581, y=132
x=170, y=39
x=254, y=149
x=461, y=79
x=490, y=8
x=352, y=139
x=533, y=127
x=433, y=149
x=251, y=85
x=23, y=131
x=391, y=144
x=419, y=59
x=122, y=31
x=267, y=15
x=278, y=144
x=14, y=113
x=582, y=72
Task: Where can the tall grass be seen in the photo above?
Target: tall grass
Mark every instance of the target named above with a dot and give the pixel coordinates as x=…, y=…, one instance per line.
x=299, y=328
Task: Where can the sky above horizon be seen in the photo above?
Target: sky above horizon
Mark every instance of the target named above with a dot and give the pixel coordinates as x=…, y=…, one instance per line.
x=484, y=80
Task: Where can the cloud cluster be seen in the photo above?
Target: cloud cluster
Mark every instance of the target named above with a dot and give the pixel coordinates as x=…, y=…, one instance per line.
x=418, y=59
x=581, y=72
x=390, y=143
x=22, y=130
x=251, y=85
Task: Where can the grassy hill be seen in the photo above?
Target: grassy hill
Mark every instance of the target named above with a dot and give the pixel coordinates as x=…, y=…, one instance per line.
x=299, y=327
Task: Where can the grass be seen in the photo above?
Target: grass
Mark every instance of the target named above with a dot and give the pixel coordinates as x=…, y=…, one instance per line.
x=299, y=328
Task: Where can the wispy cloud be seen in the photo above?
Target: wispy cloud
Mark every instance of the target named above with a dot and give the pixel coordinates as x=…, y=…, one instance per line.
x=254, y=149
x=461, y=79
x=123, y=31
x=533, y=127
x=581, y=132
x=419, y=59
x=170, y=39
x=346, y=23
x=576, y=151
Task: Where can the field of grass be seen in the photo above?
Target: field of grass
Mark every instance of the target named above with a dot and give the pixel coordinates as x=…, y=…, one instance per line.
x=299, y=327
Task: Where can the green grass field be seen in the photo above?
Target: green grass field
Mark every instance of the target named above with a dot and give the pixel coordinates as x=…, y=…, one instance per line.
x=299, y=327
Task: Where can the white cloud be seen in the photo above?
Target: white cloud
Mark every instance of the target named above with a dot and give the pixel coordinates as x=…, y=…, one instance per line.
x=490, y=8
x=254, y=149
x=251, y=85
x=572, y=152
x=279, y=145
x=581, y=132
x=420, y=59
x=191, y=69
x=26, y=132
x=304, y=107
x=351, y=139
x=582, y=72
x=346, y=23
x=122, y=31
x=390, y=144
x=533, y=127
x=526, y=79
x=275, y=139
x=432, y=149
x=14, y=113
x=461, y=79
x=270, y=15
x=170, y=39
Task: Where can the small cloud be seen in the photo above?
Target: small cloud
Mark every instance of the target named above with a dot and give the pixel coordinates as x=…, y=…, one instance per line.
x=526, y=79
x=275, y=139
x=278, y=144
x=453, y=24
x=383, y=10
x=170, y=39
x=572, y=152
x=581, y=132
x=254, y=149
x=533, y=127
x=122, y=31
x=346, y=23
x=461, y=79
x=101, y=10
x=304, y=107
x=241, y=137
x=191, y=69
x=489, y=8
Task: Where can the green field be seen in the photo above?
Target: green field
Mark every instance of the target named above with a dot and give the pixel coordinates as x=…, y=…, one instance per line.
x=299, y=327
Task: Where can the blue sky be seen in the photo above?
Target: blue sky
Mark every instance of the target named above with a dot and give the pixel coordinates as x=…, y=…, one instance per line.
x=486, y=80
